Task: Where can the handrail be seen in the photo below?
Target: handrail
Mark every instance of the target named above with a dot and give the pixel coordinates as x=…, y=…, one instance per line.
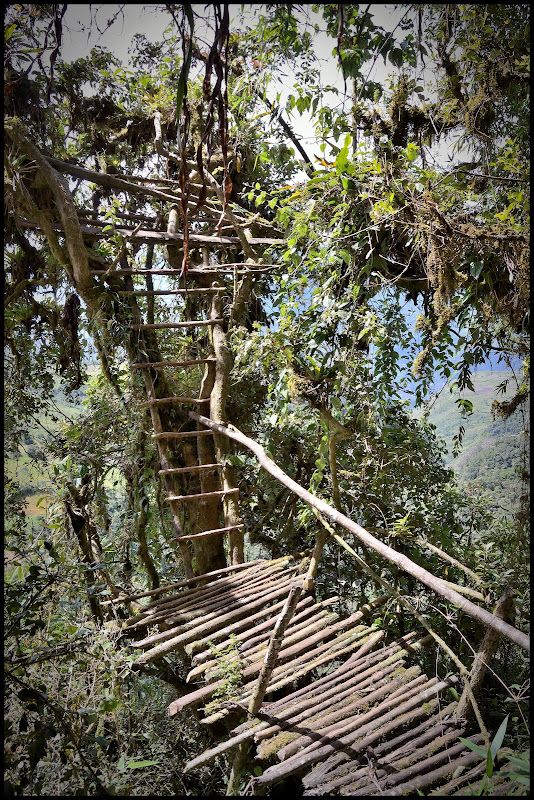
x=402, y=561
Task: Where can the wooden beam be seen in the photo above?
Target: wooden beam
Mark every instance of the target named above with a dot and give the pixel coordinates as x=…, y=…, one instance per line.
x=182, y=470
x=162, y=364
x=181, y=435
x=147, y=293
x=162, y=237
x=159, y=401
x=211, y=533
x=201, y=496
x=195, y=323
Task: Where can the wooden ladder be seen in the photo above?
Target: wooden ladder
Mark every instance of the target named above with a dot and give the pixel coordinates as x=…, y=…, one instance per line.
x=150, y=369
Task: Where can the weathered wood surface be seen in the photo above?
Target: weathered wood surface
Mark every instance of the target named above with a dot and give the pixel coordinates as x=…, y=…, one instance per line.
x=372, y=724
x=160, y=237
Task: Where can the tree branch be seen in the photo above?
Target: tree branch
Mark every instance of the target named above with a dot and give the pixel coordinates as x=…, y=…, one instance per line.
x=364, y=536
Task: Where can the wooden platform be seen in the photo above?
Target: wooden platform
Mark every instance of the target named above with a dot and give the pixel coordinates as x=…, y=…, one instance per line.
x=350, y=712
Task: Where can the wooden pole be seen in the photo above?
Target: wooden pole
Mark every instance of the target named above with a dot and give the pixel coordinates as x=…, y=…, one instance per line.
x=275, y=644
x=402, y=561
x=487, y=650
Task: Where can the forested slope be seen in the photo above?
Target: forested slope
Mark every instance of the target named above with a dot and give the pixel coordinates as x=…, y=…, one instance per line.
x=494, y=451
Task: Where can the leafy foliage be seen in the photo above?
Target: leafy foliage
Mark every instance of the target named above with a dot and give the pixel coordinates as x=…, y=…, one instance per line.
x=404, y=263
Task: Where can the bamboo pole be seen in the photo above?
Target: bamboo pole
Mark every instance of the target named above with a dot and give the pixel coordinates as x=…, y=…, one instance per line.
x=206, y=621
x=367, y=539
x=189, y=599
x=304, y=711
x=480, y=664
x=182, y=613
x=180, y=584
x=371, y=732
x=292, y=670
x=288, y=713
x=332, y=764
x=438, y=639
x=241, y=625
x=420, y=782
x=343, y=673
x=322, y=725
x=446, y=557
x=362, y=723
x=294, y=633
x=190, y=635
x=397, y=747
x=273, y=649
x=407, y=770
x=313, y=703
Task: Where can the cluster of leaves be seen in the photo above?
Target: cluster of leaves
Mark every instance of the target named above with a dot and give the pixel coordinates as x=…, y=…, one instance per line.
x=78, y=720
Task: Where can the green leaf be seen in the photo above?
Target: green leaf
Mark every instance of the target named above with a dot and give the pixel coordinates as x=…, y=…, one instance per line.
x=109, y=704
x=476, y=268
x=139, y=764
x=489, y=764
x=474, y=747
x=342, y=156
x=412, y=151
x=499, y=737
x=396, y=57
x=9, y=31
x=522, y=763
x=523, y=779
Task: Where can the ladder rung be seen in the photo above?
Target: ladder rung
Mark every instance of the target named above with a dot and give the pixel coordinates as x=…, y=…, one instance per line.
x=208, y=290
x=164, y=400
x=215, y=269
x=174, y=498
x=192, y=324
x=197, y=468
x=182, y=435
x=175, y=272
x=157, y=364
x=239, y=265
x=210, y=533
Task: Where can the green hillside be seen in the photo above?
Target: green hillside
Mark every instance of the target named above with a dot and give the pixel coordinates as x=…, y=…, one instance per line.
x=30, y=467
x=491, y=450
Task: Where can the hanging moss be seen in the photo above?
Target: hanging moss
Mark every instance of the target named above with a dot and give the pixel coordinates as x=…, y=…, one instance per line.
x=447, y=315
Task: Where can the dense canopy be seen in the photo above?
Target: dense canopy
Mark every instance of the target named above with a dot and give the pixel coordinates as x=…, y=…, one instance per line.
x=361, y=173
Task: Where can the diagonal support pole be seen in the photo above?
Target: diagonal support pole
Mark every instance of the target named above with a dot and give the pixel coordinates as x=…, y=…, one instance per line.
x=405, y=563
x=275, y=643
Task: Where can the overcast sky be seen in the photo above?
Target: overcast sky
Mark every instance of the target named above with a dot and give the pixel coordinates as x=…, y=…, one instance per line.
x=86, y=26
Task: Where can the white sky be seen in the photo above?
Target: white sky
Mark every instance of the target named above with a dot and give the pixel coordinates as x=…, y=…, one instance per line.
x=80, y=36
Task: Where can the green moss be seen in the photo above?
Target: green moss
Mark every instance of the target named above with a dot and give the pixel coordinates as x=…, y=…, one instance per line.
x=228, y=669
x=268, y=748
x=398, y=673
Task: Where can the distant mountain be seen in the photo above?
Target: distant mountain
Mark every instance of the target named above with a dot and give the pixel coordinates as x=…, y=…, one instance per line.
x=491, y=450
